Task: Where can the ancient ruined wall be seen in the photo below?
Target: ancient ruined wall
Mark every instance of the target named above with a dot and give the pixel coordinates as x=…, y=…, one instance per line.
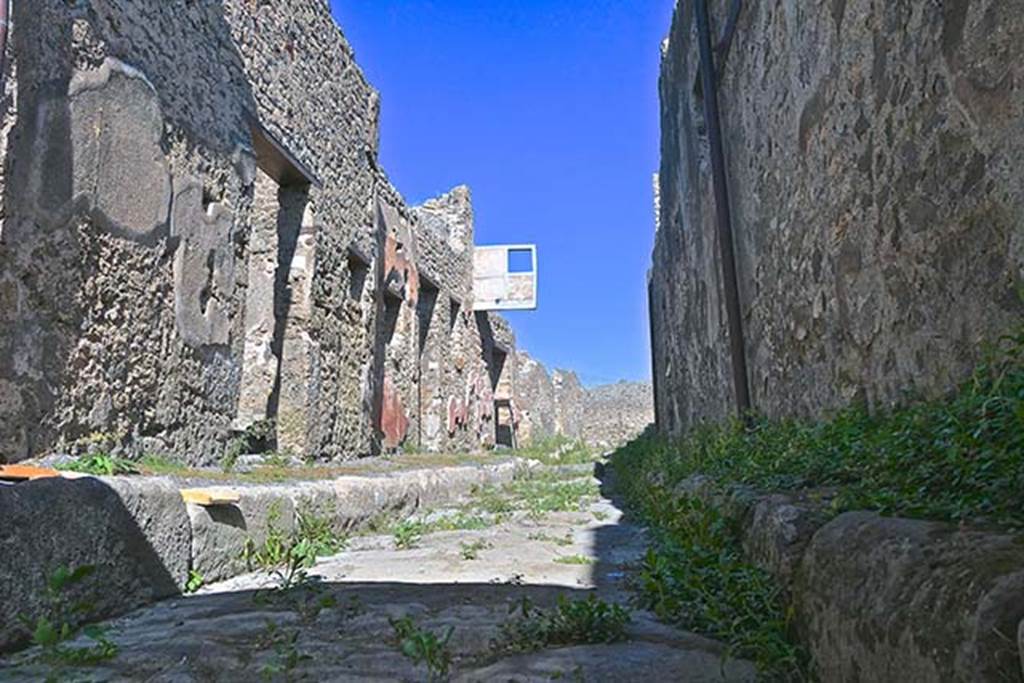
x=450, y=363
x=535, y=399
x=874, y=153
x=116, y=187
x=185, y=255
x=570, y=404
x=617, y=413
x=145, y=295
x=436, y=387
x=495, y=415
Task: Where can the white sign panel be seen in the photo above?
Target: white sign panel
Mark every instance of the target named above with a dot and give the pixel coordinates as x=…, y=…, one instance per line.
x=505, y=278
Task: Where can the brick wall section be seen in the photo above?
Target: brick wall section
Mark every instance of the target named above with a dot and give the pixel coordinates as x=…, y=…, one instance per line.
x=874, y=154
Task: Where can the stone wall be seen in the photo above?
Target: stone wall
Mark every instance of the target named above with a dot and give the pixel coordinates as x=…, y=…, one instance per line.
x=873, y=153
x=570, y=404
x=617, y=413
x=197, y=241
x=536, y=392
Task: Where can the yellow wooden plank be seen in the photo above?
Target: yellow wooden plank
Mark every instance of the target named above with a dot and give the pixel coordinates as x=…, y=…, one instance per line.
x=26, y=472
x=210, y=497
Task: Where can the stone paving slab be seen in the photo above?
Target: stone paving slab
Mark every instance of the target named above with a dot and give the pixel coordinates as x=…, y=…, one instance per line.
x=240, y=630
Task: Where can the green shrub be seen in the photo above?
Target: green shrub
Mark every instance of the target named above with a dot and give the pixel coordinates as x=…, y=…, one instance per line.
x=471, y=551
x=558, y=450
x=408, y=533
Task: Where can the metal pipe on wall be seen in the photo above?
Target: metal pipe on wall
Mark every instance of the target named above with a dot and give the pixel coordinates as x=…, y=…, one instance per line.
x=713, y=125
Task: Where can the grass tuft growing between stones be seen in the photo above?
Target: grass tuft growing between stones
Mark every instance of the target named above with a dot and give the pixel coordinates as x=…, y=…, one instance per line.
x=558, y=450
x=52, y=631
x=424, y=647
x=958, y=458
x=288, y=556
x=588, y=621
x=100, y=464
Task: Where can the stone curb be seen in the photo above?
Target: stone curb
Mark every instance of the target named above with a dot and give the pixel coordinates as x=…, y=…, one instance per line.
x=1020, y=646
x=143, y=539
x=885, y=598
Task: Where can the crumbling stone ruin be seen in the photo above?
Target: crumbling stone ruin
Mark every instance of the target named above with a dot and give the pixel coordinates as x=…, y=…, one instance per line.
x=198, y=241
x=617, y=413
x=873, y=155
x=557, y=404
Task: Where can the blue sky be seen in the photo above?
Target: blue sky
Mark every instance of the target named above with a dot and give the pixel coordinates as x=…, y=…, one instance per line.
x=548, y=110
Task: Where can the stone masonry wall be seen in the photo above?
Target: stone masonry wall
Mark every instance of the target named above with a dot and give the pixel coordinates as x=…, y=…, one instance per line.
x=617, y=413
x=873, y=152
x=197, y=241
x=536, y=393
x=570, y=404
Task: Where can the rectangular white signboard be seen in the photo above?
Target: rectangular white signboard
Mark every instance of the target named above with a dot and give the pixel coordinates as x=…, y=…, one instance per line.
x=505, y=277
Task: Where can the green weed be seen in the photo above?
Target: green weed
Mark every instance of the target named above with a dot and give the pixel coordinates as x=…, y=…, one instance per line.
x=547, y=538
x=256, y=438
x=471, y=551
x=558, y=450
x=195, y=581
x=955, y=458
x=462, y=521
x=286, y=653
x=588, y=621
x=574, y=559
x=55, y=628
x=100, y=464
x=541, y=496
x=155, y=464
x=289, y=556
x=694, y=575
x=422, y=646
x=408, y=533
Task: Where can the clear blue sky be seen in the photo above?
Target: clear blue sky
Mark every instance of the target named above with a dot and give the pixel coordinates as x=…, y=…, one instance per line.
x=548, y=110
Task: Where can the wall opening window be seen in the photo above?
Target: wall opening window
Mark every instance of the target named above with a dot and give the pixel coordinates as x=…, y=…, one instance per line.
x=454, y=309
x=392, y=307
x=358, y=271
x=425, y=310
x=520, y=260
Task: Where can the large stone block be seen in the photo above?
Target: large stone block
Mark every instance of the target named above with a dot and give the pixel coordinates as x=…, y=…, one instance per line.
x=776, y=533
x=888, y=599
x=220, y=533
x=134, y=533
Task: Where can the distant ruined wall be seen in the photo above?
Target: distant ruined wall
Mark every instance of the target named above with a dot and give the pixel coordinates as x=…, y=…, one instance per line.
x=617, y=413
x=196, y=239
x=874, y=153
x=570, y=404
x=536, y=393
